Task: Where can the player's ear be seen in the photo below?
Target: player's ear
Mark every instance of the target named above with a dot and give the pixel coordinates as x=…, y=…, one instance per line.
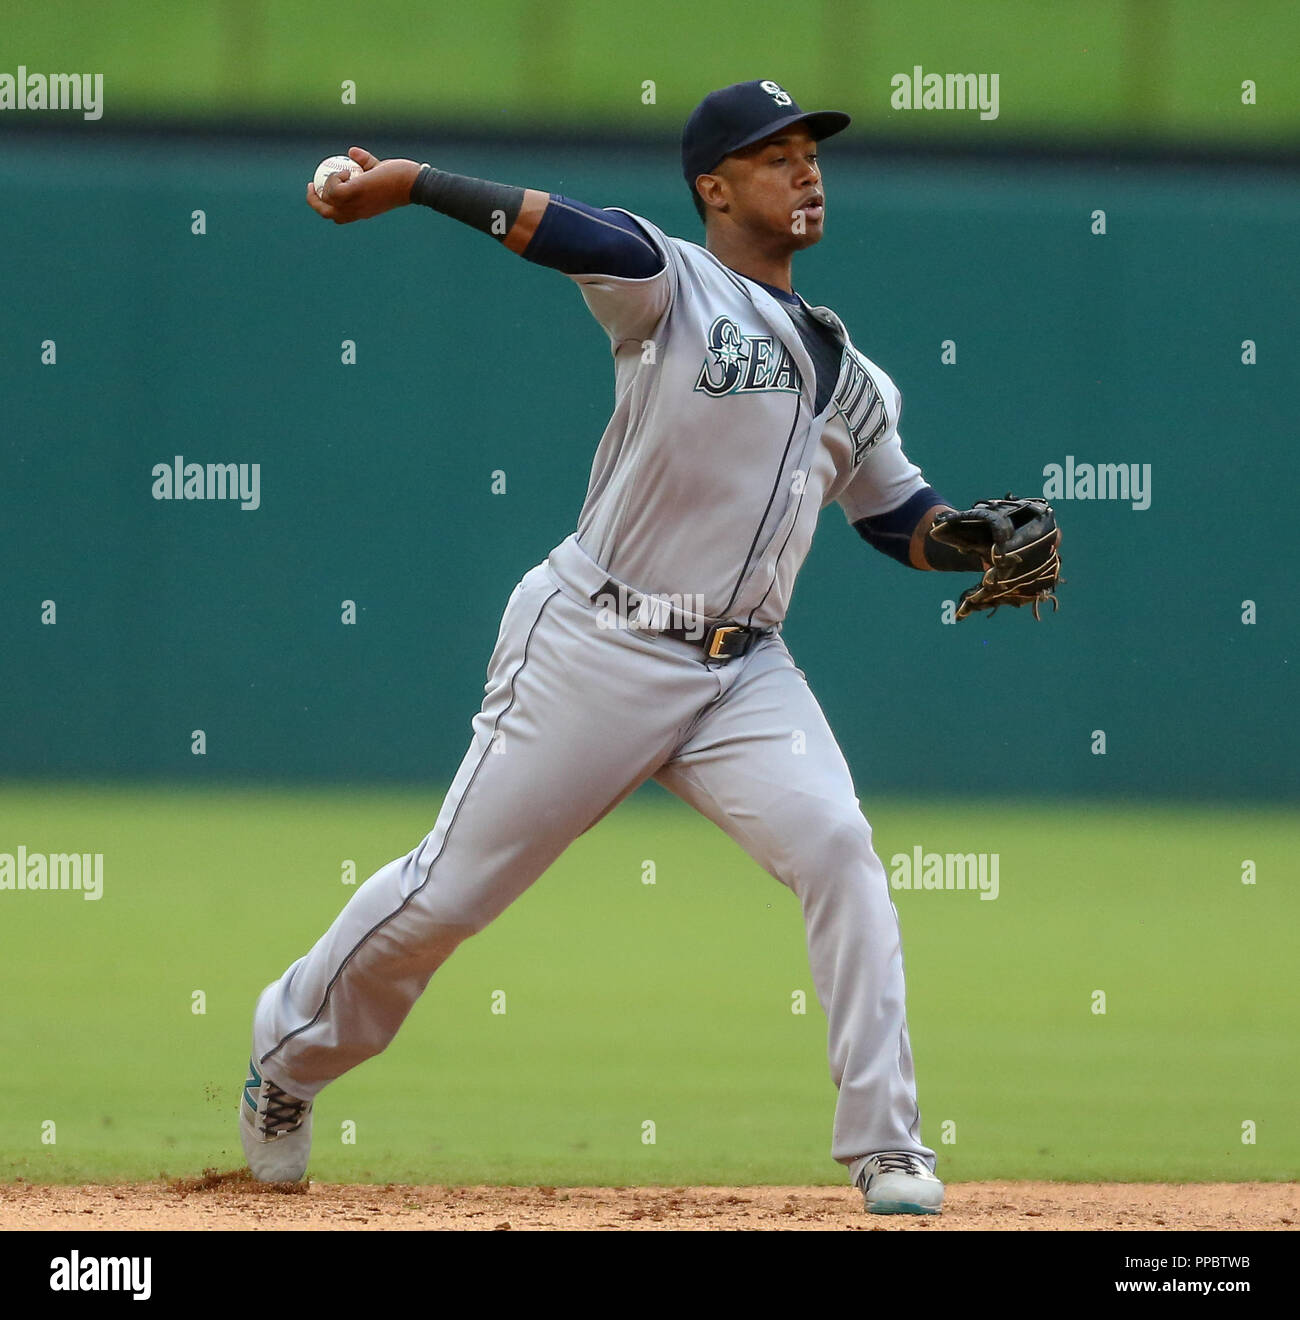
x=712, y=190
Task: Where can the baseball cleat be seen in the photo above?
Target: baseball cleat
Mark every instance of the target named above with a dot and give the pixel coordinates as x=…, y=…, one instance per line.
x=898, y=1183
x=275, y=1129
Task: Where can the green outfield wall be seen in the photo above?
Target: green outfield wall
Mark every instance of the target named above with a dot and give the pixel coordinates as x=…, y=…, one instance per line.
x=129, y=622
x=1069, y=71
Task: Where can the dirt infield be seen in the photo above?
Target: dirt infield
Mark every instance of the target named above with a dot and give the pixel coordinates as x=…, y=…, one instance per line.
x=232, y=1201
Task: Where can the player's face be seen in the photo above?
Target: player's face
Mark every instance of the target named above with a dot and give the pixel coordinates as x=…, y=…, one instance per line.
x=774, y=188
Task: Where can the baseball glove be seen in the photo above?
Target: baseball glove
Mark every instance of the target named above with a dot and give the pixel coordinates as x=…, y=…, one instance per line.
x=1017, y=539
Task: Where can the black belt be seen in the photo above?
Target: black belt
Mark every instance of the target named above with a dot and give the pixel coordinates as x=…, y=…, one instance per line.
x=721, y=641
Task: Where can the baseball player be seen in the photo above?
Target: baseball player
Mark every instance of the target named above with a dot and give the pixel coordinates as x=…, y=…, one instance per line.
x=648, y=643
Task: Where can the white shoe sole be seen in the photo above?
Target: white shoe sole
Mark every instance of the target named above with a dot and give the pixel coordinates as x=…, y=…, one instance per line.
x=901, y=1208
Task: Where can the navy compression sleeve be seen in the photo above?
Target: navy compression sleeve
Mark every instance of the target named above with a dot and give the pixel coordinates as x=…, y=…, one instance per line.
x=891, y=534
x=570, y=236
x=583, y=240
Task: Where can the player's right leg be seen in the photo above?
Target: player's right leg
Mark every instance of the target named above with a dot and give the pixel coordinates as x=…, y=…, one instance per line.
x=575, y=716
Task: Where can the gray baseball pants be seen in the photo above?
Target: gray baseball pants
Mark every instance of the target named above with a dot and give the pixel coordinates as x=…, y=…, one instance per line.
x=576, y=715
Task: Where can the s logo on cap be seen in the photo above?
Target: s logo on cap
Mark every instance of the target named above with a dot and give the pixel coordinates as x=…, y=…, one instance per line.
x=776, y=93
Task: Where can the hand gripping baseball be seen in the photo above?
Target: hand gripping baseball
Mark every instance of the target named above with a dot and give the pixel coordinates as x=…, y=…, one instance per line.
x=1018, y=539
x=379, y=186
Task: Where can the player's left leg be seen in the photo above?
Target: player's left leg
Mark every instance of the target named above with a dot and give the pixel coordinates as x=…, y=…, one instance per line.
x=763, y=765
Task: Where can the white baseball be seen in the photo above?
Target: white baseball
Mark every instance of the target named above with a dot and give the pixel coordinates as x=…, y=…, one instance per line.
x=334, y=165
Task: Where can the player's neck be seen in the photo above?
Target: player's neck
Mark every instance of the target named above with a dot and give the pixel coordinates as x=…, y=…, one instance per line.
x=745, y=259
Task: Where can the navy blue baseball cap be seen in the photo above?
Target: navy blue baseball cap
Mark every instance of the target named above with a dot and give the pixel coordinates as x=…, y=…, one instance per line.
x=742, y=114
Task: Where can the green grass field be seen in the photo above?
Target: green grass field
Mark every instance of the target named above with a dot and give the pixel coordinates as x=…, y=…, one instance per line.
x=669, y=1002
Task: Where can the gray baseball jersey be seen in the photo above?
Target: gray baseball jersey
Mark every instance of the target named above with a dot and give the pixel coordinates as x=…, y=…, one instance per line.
x=714, y=466
x=706, y=484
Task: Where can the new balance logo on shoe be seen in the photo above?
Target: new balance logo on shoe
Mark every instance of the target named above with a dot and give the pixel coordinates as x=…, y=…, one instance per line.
x=274, y=1129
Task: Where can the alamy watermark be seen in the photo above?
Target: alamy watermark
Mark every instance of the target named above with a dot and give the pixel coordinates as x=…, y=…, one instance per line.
x=1098, y=481
x=945, y=91
x=53, y=91
x=77, y=1273
x=179, y=480
x=653, y=613
x=53, y=871
x=925, y=870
